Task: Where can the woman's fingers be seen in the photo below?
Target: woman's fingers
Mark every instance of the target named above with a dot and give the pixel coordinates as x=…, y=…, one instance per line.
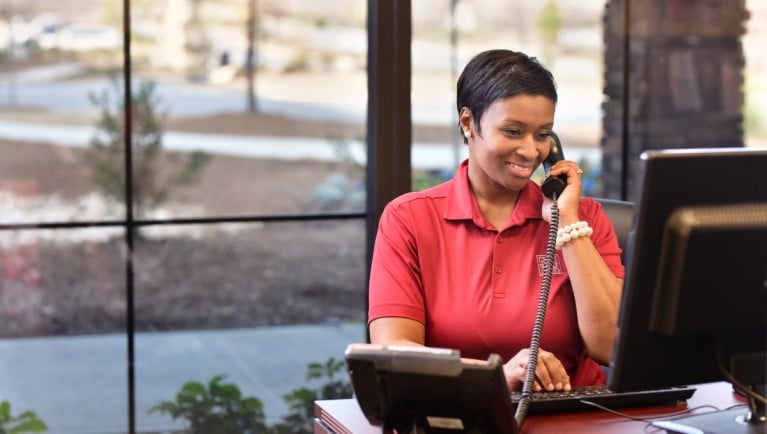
x=550, y=374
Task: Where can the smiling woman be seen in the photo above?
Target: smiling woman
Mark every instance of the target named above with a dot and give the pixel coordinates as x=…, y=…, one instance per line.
x=454, y=266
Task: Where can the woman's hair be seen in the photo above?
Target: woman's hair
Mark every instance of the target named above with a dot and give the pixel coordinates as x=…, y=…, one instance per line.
x=497, y=74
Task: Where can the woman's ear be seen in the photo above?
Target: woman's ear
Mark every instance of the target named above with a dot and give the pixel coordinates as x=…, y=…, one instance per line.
x=465, y=120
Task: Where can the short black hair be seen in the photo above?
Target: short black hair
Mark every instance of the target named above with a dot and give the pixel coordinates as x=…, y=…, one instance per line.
x=498, y=74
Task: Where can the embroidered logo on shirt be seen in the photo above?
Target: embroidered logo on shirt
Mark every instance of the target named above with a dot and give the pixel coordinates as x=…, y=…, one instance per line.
x=556, y=266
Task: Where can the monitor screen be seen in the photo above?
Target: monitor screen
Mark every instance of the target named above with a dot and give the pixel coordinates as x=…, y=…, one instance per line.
x=695, y=290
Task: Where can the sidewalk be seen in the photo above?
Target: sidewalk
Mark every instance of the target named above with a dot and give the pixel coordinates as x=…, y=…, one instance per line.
x=424, y=156
x=78, y=385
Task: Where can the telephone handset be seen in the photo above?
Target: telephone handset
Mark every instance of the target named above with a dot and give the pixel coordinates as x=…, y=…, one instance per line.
x=553, y=184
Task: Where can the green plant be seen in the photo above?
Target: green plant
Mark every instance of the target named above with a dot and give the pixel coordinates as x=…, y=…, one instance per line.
x=344, y=189
x=423, y=179
x=301, y=401
x=26, y=422
x=591, y=178
x=549, y=22
x=218, y=408
x=153, y=174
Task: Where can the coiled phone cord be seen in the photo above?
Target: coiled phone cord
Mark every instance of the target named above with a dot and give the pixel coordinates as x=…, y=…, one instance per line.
x=543, y=298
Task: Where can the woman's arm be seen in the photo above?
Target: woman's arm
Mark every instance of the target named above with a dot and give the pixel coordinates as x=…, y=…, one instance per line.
x=596, y=290
x=550, y=373
x=397, y=331
x=597, y=295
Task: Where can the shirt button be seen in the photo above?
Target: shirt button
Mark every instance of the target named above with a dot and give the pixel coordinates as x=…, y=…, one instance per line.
x=497, y=269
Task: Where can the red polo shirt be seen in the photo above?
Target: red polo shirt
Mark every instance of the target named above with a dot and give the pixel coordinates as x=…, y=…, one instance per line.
x=437, y=260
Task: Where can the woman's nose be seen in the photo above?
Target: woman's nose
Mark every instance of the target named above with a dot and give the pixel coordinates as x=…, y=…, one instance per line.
x=528, y=147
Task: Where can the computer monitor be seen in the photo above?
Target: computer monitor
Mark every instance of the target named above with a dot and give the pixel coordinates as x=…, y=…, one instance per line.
x=695, y=290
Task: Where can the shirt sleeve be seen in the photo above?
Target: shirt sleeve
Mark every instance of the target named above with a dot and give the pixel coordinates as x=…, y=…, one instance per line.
x=396, y=289
x=604, y=238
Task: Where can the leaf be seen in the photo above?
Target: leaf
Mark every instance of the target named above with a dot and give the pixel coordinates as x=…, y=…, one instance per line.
x=218, y=408
x=32, y=425
x=252, y=404
x=299, y=398
x=5, y=411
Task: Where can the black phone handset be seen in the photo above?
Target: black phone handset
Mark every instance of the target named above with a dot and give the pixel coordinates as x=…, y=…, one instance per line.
x=553, y=184
x=552, y=187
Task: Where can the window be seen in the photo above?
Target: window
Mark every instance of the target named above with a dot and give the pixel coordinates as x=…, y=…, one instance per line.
x=242, y=251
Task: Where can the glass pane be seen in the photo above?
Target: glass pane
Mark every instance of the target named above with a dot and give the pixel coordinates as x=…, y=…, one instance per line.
x=62, y=327
x=54, y=58
x=566, y=36
x=255, y=302
x=259, y=106
x=247, y=275
x=265, y=363
x=755, y=75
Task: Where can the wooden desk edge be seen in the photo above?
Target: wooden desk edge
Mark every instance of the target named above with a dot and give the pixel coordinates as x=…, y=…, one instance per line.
x=344, y=416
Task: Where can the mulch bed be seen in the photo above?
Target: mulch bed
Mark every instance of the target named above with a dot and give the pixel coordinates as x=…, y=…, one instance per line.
x=222, y=276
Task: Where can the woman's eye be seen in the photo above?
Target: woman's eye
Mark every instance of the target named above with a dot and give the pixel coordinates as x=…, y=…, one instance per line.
x=513, y=132
x=543, y=136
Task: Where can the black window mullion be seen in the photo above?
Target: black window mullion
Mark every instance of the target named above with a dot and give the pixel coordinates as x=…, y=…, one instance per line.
x=389, y=120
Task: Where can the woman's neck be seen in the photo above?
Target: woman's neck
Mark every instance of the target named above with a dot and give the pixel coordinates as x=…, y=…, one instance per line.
x=496, y=205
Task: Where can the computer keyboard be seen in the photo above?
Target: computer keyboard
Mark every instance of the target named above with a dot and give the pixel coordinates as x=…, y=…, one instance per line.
x=551, y=402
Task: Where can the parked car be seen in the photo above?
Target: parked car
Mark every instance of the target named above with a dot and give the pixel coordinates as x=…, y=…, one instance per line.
x=88, y=37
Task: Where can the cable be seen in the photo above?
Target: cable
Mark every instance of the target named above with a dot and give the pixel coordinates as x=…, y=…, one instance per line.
x=535, y=341
x=743, y=388
x=650, y=419
x=645, y=418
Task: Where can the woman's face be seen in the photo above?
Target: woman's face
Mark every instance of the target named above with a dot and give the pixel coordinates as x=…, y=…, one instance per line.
x=514, y=139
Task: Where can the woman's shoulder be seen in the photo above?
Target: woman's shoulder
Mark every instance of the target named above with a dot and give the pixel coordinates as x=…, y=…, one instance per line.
x=416, y=198
x=591, y=210
x=590, y=206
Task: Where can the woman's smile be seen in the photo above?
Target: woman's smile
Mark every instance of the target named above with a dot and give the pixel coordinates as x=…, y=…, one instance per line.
x=521, y=170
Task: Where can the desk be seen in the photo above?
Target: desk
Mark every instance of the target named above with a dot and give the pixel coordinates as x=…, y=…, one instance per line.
x=343, y=416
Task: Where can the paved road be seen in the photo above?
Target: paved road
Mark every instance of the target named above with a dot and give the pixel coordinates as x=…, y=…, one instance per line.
x=424, y=156
x=336, y=97
x=330, y=96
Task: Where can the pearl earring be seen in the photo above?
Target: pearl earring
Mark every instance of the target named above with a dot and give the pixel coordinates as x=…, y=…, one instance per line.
x=467, y=133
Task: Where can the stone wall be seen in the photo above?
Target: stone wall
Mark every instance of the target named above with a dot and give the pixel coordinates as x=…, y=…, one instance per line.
x=685, y=80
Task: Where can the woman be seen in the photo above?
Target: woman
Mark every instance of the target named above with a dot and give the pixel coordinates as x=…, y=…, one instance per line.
x=459, y=265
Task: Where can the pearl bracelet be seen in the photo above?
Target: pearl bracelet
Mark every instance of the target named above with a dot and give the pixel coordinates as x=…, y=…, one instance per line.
x=573, y=231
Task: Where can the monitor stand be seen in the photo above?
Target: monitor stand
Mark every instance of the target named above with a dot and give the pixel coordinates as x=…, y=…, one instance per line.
x=744, y=419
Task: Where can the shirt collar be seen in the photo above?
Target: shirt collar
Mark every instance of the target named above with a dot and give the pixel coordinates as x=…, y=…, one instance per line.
x=462, y=205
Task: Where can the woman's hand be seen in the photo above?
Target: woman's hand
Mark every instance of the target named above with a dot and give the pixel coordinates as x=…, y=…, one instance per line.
x=550, y=374
x=569, y=200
